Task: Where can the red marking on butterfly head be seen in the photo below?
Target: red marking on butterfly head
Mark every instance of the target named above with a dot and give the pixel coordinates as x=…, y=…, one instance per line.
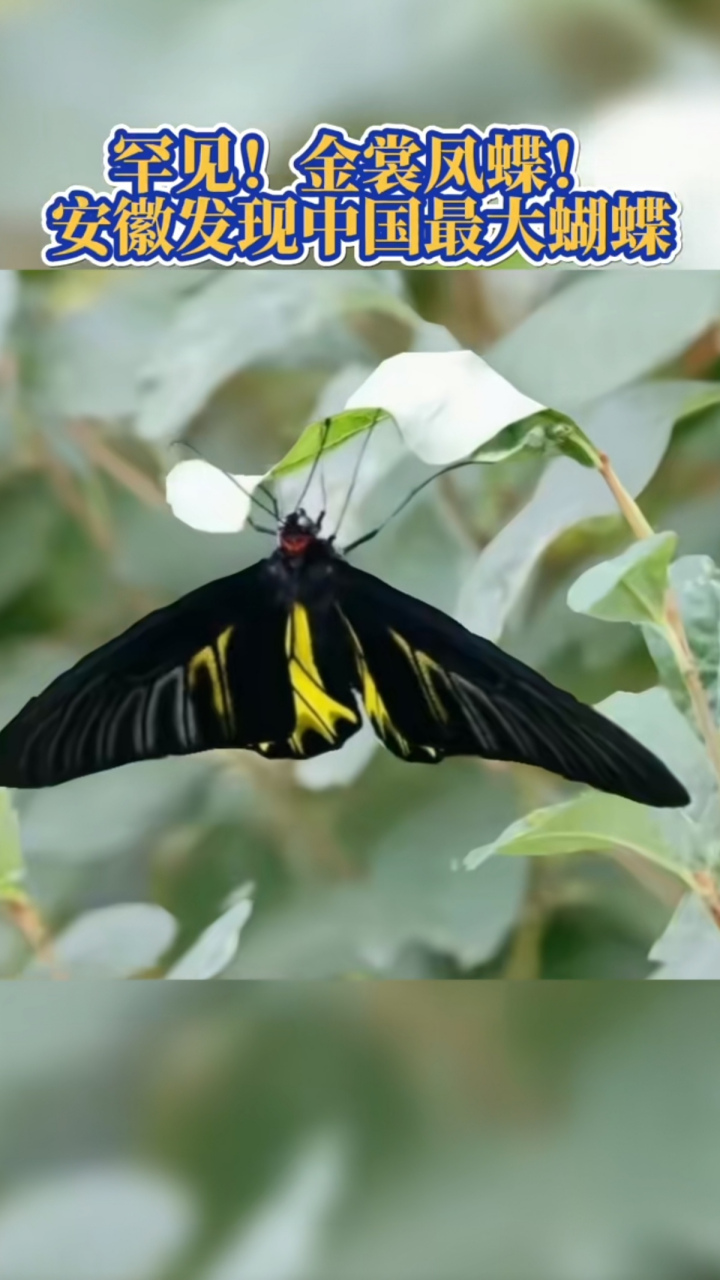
x=298, y=532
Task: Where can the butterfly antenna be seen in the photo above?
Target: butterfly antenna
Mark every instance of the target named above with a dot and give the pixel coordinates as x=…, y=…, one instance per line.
x=453, y=466
x=323, y=487
x=356, y=473
x=325, y=432
x=252, y=497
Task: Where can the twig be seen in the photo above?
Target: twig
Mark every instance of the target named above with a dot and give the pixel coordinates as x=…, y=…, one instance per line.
x=24, y=914
x=121, y=470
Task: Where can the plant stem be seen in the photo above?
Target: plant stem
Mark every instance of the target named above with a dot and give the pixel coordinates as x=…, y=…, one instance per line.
x=674, y=627
x=626, y=503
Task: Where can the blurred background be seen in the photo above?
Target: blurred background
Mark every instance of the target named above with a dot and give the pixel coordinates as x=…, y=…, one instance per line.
x=404, y=1131
x=637, y=80
x=351, y=864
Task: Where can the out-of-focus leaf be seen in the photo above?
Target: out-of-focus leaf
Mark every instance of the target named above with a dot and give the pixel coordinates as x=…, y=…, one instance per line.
x=241, y=318
x=115, y=1221
x=96, y=333
x=593, y=823
x=108, y=813
x=156, y=552
x=696, y=583
x=690, y=946
x=27, y=668
x=28, y=520
x=11, y=859
x=8, y=302
x=633, y=427
x=630, y=588
x=343, y=426
x=216, y=946
x=603, y=331
x=415, y=893
x=114, y=942
x=284, y=1235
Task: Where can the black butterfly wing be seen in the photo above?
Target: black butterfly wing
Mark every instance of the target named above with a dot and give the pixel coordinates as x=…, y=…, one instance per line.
x=433, y=689
x=204, y=672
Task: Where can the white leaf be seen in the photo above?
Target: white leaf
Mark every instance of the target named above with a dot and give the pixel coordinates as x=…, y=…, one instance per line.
x=446, y=403
x=216, y=946
x=206, y=498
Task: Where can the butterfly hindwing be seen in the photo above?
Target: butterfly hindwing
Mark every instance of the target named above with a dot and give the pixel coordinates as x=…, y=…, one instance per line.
x=432, y=689
x=320, y=670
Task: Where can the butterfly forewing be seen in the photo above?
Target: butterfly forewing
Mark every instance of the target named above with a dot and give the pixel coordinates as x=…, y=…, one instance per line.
x=432, y=689
x=206, y=672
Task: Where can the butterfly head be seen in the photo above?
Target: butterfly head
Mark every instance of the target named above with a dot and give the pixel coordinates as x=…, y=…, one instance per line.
x=299, y=531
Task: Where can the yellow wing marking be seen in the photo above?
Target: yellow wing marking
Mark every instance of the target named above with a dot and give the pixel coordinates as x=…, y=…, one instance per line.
x=214, y=661
x=314, y=707
x=372, y=700
x=427, y=673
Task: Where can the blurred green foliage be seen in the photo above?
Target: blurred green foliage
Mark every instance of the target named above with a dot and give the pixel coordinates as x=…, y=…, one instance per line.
x=406, y=1131
x=354, y=864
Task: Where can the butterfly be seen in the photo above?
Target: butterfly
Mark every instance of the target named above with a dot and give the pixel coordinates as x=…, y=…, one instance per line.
x=281, y=657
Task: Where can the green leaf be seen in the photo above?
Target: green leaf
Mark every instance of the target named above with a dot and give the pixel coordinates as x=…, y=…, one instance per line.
x=12, y=868
x=567, y=437
x=548, y=431
x=529, y=433
x=690, y=946
x=630, y=588
x=593, y=823
x=343, y=427
x=696, y=583
x=681, y=840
